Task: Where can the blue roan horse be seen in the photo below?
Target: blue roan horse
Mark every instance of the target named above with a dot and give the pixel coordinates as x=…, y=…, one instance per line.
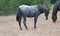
x=30, y=11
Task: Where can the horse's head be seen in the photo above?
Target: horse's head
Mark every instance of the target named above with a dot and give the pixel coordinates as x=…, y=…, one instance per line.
x=56, y=8
x=45, y=10
x=46, y=13
x=54, y=16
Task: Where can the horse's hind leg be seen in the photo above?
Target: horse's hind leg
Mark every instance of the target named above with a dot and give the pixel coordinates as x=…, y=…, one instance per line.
x=24, y=21
x=20, y=22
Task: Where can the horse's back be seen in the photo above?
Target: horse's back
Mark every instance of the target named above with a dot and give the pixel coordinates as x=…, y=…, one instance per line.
x=29, y=10
x=28, y=7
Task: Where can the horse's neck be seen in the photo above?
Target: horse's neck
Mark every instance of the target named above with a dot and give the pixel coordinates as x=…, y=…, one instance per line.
x=55, y=12
x=41, y=9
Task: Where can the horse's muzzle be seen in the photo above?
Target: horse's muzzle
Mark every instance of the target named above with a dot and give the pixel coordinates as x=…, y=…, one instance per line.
x=46, y=18
x=54, y=21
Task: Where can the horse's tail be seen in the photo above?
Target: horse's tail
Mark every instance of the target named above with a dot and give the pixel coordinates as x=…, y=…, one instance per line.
x=18, y=14
x=17, y=17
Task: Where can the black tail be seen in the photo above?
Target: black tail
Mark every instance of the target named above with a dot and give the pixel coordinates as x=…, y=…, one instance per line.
x=18, y=14
x=17, y=17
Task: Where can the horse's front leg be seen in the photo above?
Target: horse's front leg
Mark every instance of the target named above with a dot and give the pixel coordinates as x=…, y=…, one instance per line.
x=24, y=21
x=35, y=21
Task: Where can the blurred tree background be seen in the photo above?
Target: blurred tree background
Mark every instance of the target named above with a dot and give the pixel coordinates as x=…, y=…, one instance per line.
x=9, y=7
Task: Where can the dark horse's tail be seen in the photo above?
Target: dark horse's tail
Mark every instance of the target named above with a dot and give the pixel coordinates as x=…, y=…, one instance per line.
x=18, y=14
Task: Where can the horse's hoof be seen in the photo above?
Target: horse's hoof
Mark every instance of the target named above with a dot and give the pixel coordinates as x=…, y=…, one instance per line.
x=21, y=28
x=27, y=29
x=34, y=27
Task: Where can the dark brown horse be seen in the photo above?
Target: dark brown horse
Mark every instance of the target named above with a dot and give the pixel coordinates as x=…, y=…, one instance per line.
x=56, y=8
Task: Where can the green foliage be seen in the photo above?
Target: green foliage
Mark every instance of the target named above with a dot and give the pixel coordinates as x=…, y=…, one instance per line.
x=8, y=7
x=53, y=1
x=47, y=4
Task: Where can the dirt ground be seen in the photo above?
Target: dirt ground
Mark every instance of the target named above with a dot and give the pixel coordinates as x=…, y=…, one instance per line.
x=9, y=26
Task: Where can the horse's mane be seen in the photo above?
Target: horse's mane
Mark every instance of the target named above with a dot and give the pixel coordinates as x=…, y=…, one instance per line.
x=57, y=3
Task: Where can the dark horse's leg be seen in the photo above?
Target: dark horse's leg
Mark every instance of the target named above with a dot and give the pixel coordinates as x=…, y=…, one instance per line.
x=19, y=17
x=35, y=21
x=20, y=22
x=24, y=21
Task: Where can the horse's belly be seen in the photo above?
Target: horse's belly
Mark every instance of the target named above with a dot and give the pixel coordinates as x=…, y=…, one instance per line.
x=31, y=15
